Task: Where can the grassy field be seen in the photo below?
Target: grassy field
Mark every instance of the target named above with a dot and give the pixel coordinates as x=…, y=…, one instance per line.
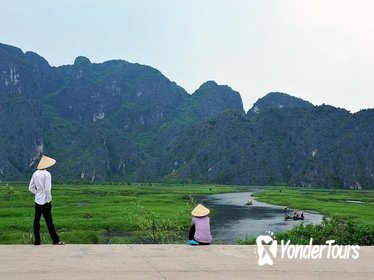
x=158, y=213
x=355, y=204
x=137, y=213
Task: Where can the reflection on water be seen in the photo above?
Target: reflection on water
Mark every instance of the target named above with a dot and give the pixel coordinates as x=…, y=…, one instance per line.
x=234, y=220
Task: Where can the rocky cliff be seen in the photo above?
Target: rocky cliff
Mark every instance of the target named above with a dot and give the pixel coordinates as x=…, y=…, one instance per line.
x=120, y=121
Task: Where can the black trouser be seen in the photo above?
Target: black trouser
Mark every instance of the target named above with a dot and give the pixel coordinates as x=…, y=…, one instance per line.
x=46, y=210
x=191, y=235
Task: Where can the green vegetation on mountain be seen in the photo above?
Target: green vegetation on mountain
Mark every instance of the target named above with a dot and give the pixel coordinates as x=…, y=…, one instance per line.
x=313, y=147
x=120, y=121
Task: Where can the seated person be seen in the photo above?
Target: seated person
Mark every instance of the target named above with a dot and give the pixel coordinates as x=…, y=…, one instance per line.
x=200, y=230
x=285, y=213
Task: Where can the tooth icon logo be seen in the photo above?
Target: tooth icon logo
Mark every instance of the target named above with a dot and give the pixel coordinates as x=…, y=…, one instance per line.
x=266, y=255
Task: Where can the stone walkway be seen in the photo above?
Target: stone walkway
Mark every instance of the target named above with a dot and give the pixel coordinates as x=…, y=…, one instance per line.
x=169, y=262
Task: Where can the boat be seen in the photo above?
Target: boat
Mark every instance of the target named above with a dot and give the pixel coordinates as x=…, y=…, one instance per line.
x=295, y=218
x=250, y=202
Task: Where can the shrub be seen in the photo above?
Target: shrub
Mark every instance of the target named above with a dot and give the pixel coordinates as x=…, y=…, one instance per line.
x=345, y=231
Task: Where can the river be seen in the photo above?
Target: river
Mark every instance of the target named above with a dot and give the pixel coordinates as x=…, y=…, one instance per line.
x=234, y=220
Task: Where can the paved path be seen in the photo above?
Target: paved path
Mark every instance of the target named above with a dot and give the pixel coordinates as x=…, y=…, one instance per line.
x=169, y=262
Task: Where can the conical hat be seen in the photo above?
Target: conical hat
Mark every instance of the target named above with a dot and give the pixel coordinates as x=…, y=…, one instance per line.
x=200, y=211
x=46, y=162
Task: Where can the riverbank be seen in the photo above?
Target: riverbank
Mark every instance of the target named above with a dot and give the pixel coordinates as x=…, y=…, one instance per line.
x=355, y=204
x=169, y=262
x=234, y=220
x=347, y=223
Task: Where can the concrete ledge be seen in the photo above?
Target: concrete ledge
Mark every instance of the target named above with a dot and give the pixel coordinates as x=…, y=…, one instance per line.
x=169, y=262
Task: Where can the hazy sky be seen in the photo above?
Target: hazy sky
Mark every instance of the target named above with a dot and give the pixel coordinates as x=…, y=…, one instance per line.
x=318, y=50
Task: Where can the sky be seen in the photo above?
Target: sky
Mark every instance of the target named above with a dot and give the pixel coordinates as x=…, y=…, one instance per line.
x=321, y=51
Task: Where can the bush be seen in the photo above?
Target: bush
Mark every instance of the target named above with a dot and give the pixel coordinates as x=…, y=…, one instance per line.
x=156, y=229
x=8, y=190
x=345, y=231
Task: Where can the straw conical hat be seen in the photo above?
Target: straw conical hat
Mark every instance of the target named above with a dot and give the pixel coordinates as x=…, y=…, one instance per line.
x=200, y=211
x=46, y=162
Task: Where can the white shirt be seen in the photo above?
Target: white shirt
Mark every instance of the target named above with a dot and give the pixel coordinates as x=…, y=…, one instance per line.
x=41, y=185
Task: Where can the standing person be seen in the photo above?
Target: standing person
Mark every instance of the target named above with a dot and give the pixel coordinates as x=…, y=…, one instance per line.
x=200, y=230
x=41, y=185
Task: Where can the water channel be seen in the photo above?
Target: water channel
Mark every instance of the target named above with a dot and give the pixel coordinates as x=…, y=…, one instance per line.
x=234, y=220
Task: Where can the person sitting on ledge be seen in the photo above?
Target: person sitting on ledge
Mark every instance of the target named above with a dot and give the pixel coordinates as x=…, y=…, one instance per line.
x=199, y=233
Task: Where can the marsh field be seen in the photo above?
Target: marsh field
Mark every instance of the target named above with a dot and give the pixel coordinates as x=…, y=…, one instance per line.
x=113, y=213
x=160, y=213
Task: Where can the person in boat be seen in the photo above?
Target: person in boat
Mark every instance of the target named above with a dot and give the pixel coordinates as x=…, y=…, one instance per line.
x=286, y=214
x=294, y=215
x=302, y=215
x=199, y=233
x=250, y=202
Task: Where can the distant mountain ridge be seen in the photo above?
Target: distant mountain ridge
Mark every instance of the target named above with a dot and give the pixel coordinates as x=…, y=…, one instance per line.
x=277, y=100
x=293, y=146
x=120, y=121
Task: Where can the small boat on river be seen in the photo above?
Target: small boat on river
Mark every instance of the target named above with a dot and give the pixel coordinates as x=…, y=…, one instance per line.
x=250, y=202
x=295, y=218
